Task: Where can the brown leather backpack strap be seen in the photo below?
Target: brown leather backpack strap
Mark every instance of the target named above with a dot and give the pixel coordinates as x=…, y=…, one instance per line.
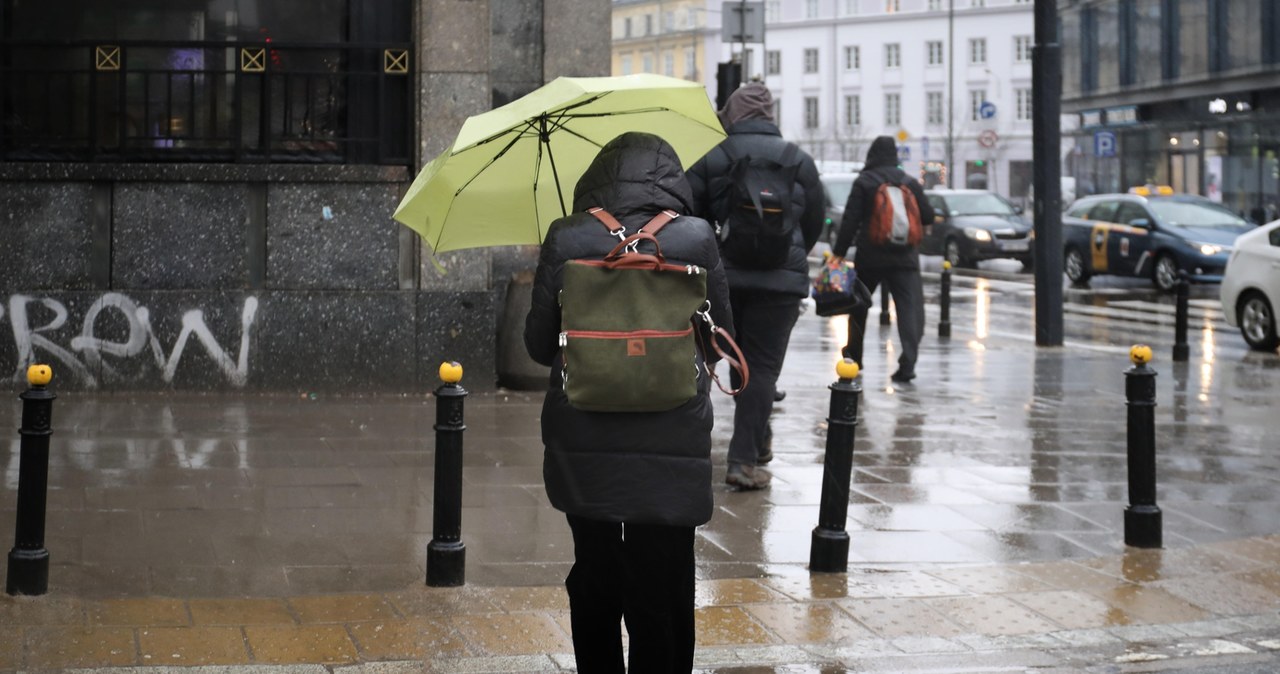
x=659, y=221
x=736, y=360
x=608, y=220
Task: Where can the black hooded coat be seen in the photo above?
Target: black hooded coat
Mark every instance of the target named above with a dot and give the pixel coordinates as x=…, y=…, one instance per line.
x=881, y=167
x=642, y=467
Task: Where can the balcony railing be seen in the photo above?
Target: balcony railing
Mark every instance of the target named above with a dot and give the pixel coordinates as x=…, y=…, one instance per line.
x=205, y=101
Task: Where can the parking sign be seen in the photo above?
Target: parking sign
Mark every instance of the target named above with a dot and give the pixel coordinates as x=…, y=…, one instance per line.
x=1104, y=144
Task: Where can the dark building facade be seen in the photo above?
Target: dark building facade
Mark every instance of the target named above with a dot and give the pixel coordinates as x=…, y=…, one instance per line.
x=197, y=194
x=1184, y=93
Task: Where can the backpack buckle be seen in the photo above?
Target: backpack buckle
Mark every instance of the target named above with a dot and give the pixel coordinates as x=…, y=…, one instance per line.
x=705, y=314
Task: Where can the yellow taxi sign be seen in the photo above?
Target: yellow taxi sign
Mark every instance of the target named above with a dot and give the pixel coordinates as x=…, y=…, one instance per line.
x=1149, y=190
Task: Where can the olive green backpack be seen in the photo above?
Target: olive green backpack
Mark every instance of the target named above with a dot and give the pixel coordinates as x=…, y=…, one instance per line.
x=627, y=326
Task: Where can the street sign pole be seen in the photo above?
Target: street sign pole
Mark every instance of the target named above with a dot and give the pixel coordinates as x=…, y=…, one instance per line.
x=1046, y=134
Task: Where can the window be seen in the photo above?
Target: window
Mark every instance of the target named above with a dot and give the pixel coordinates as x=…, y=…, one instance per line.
x=978, y=51
x=850, y=7
x=976, y=98
x=892, y=55
x=811, y=9
x=1022, y=49
x=1129, y=211
x=810, y=112
x=773, y=11
x=977, y=3
x=852, y=110
x=646, y=63
x=772, y=62
x=668, y=21
x=892, y=6
x=668, y=63
x=811, y=60
x=935, y=5
x=626, y=27
x=690, y=63
x=934, y=50
x=648, y=24
x=626, y=65
x=852, y=58
x=933, y=108
x=1023, y=113
x=892, y=110
x=1021, y=2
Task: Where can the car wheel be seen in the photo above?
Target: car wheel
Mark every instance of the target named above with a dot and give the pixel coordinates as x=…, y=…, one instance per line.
x=951, y=253
x=1257, y=322
x=1165, y=273
x=1073, y=264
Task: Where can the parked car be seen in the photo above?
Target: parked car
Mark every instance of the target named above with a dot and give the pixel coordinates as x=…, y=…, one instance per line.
x=1250, y=290
x=1153, y=236
x=837, y=187
x=973, y=225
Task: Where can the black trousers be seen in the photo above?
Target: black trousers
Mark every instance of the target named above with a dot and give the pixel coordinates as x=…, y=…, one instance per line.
x=641, y=573
x=762, y=323
x=907, y=290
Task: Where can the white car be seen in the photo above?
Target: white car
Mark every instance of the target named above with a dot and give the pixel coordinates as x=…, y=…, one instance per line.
x=1250, y=291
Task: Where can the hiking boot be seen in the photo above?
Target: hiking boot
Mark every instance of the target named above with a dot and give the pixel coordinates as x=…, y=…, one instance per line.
x=746, y=478
x=902, y=376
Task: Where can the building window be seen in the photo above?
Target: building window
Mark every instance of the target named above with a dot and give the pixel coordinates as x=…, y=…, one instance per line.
x=978, y=51
x=1024, y=105
x=811, y=112
x=850, y=7
x=157, y=89
x=852, y=58
x=772, y=62
x=934, y=50
x=1022, y=49
x=811, y=60
x=977, y=3
x=648, y=24
x=626, y=65
x=892, y=55
x=976, y=98
x=773, y=11
x=690, y=64
x=933, y=108
x=1021, y=2
x=626, y=27
x=892, y=110
x=647, y=63
x=811, y=9
x=935, y=5
x=892, y=6
x=668, y=63
x=668, y=21
x=853, y=110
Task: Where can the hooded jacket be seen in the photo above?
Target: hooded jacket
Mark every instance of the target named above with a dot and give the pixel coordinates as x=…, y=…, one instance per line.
x=748, y=117
x=881, y=167
x=644, y=467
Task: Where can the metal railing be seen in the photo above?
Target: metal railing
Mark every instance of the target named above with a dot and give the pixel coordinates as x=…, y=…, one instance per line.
x=205, y=101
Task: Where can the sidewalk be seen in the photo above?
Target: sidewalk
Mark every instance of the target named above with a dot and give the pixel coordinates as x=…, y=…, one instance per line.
x=986, y=522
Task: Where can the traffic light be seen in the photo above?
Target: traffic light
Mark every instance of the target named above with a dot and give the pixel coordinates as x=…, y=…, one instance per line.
x=980, y=163
x=728, y=78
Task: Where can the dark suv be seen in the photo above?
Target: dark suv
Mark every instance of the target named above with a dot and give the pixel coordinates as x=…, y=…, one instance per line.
x=973, y=225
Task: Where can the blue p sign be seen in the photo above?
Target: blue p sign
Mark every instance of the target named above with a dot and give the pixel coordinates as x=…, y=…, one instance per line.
x=1104, y=144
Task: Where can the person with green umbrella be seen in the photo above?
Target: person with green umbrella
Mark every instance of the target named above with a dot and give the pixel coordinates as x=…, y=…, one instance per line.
x=634, y=485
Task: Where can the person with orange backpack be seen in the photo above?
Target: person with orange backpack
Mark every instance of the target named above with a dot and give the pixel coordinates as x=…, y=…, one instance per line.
x=886, y=215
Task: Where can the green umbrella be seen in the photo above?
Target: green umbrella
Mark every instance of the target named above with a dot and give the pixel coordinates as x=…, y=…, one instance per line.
x=511, y=171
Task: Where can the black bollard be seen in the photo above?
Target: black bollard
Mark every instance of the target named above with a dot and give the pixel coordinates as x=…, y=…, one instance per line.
x=1142, y=518
x=829, y=546
x=944, y=322
x=884, y=305
x=29, y=559
x=446, y=554
x=1180, y=349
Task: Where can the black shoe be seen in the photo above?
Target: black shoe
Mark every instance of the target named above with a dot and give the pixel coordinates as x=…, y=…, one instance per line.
x=902, y=377
x=779, y=395
x=747, y=478
x=765, y=457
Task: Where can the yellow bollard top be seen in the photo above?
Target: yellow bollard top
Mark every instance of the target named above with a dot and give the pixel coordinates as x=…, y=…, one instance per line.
x=1140, y=354
x=847, y=369
x=39, y=375
x=946, y=264
x=451, y=372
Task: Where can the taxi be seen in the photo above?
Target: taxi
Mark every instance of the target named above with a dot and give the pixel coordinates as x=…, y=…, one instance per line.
x=1149, y=232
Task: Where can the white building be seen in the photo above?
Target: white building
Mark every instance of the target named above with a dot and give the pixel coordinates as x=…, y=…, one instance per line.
x=846, y=71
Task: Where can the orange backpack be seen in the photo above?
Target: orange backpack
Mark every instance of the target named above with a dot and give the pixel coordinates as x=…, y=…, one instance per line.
x=895, y=217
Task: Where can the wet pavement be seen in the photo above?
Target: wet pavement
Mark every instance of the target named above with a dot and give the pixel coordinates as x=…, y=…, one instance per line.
x=985, y=517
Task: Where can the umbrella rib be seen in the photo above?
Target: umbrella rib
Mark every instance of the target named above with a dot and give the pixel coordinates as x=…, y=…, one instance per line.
x=555, y=175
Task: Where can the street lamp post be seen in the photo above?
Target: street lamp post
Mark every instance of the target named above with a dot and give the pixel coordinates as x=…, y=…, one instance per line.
x=951, y=90
x=1046, y=138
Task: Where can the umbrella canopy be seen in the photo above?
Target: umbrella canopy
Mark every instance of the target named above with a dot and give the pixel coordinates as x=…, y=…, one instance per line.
x=511, y=171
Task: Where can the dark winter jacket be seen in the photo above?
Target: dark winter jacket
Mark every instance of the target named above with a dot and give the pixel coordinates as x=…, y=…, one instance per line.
x=709, y=178
x=881, y=167
x=653, y=467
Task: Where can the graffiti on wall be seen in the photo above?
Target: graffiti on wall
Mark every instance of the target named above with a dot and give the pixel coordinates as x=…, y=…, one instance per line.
x=86, y=356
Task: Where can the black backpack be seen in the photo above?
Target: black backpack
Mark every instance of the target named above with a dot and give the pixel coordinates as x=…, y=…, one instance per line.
x=757, y=226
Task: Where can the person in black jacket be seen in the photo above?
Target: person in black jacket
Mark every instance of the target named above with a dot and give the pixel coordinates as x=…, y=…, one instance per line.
x=633, y=485
x=896, y=266
x=766, y=302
